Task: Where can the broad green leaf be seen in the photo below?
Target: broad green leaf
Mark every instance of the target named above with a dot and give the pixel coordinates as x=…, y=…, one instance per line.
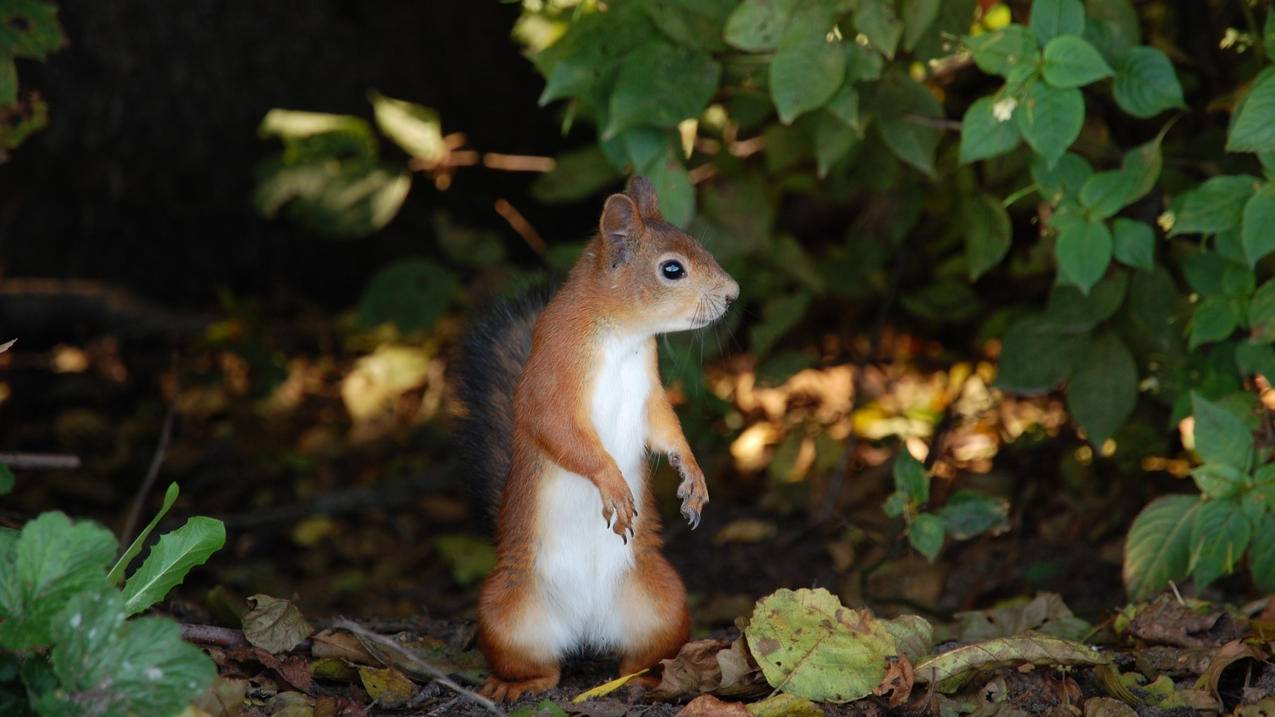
x=988, y=129
x=1257, y=224
x=673, y=187
x=903, y=104
x=1146, y=83
x=1261, y=554
x=1216, y=480
x=832, y=139
x=1050, y=119
x=844, y=105
x=863, y=64
x=1083, y=251
x=694, y=23
x=1051, y=18
x=910, y=478
x=584, y=61
x=1072, y=311
x=1261, y=313
x=108, y=666
x=877, y=20
x=926, y=535
x=918, y=16
x=1134, y=243
x=1106, y=193
x=809, y=645
x=779, y=314
x=1063, y=179
x=1103, y=391
x=416, y=129
x=1158, y=547
x=1112, y=26
x=1219, y=535
x=1220, y=436
x=951, y=669
x=987, y=232
x=758, y=25
x=1000, y=52
x=274, y=625
x=1072, y=62
x=6, y=480
x=1214, y=206
x=660, y=85
x=1253, y=125
x=29, y=29
x=1253, y=358
x=1035, y=358
x=330, y=196
x=576, y=175
x=51, y=560
x=1143, y=163
x=969, y=513
x=1212, y=321
x=410, y=293
x=172, y=557
x=807, y=69
x=116, y=576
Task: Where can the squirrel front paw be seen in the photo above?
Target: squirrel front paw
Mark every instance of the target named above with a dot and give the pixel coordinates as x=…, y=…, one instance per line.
x=618, y=509
x=692, y=490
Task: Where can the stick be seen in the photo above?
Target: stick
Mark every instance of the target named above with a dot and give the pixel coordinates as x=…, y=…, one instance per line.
x=41, y=461
x=213, y=635
x=521, y=225
x=139, y=500
x=416, y=663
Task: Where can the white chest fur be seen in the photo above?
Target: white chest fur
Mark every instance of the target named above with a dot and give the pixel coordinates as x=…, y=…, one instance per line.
x=580, y=563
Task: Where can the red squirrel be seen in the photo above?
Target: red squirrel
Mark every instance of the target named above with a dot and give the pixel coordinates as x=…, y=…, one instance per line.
x=563, y=401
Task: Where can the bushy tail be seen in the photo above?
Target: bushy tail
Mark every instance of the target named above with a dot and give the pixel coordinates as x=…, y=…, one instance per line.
x=489, y=362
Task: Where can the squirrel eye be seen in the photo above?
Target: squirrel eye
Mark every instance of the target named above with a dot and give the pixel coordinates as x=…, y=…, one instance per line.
x=673, y=270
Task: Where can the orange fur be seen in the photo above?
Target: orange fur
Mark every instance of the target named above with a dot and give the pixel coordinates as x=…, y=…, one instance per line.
x=616, y=289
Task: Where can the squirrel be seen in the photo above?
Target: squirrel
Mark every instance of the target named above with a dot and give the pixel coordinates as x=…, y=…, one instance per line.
x=562, y=400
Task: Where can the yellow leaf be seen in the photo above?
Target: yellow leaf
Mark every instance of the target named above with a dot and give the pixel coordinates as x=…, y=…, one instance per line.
x=605, y=688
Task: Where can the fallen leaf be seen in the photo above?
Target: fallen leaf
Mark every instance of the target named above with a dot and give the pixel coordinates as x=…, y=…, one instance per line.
x=606, y=688
x=785, y=705
x=223, y=698
x=1046, y=613
x=897, y=683
x=386, y=685
x=745, y=530
x=913, y=634
x=1174, y=661
x=693, y=670
x=1225, y=658
x=950, y=669
x=741, y=675
x=710, y=706
x=295, y=670
x=333, y=670
x=274, y=625
x=342, y=645
x=1107, y=707
x=1264, y=708
x=290, y=704
x=1167, y=621
x=810, y=645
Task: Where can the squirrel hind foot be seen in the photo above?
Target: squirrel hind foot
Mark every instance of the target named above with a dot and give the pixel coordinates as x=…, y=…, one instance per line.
x=500, y=690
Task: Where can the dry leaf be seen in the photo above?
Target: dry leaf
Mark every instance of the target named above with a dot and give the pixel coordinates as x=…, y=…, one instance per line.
x=693, y=670
x=224, y=698
x=1107, y=707
x=741, y=676
x=897, y=683
x=745, y=530
x=950, y=669
x=1225, y=657
x=274, y=625
x=1169, y=622
x=783, y=705
x=710, y=706
x=343, y=645
x=606, y=688
x=386, y=685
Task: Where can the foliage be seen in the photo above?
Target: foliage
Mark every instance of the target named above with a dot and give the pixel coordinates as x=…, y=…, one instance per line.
x=29, y=30
x=69, y=644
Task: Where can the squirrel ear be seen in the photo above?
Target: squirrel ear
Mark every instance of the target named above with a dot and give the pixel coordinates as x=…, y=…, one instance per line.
x=620, y=226
x=643, y=192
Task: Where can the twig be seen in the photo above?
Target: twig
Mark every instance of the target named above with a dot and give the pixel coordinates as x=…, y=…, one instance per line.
x=520, y=224
x=41, y=461
x=518, y=162
x=157, y=460
x=213, y=635
x=416, y=663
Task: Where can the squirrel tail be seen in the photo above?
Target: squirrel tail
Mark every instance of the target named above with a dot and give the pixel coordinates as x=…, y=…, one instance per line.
x=490, y=362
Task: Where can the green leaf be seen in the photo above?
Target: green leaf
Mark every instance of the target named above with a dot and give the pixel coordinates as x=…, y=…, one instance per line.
x=877, y=20
x=918, y=16
x=29, y=29
x=1000, y=52
x=1051, y=18
x=1218, y=481
x=108, y=666
x=1143, y=163
x=1105, y=193
x=576, y=175
x=1112, y=26
x=1220, y=436
x=1212, y=321
x=694, y=23
x=948, y=671
x=759, y=25
x=779, y=314
x=987, y=232
x=1072, y=62
x=900, y=101
x=8, y=80
x=832, y=139
x=416, y=129
x=1219, y=536
x=812, y=646
x=1214, y=206
x=116, y=576
x=585, y=60
x=410, y=293
x=6, y=480
x=1158, y=548
x=661, y=84
x=673, y=187
x=808, y=69
x=52, y=560
x=1257, y=232
x=1050, y=119
x=984, y=135
x=1253, y=124
x=1083, y=252
x=1134, y=243
x=330, y=195
x=169, y=561
x=1261, y=313
x=1146, y=83
x=1062, y=180
x=1036, y=357
x=969, y=513
x=926, y=535
x=910, y=479
x=1253, y=358
x=1071, y=311
x=1103, y=391
x=1261, y=554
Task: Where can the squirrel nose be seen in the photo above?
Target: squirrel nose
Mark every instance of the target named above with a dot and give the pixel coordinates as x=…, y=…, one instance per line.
x=731, y=293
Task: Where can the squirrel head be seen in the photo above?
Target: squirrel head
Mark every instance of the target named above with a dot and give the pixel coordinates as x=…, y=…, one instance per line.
x=667, y=279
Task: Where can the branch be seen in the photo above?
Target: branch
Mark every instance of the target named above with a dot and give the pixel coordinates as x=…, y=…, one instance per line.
x=40, y=461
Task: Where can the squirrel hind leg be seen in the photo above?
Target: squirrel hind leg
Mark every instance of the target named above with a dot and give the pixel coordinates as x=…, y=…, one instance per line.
x=501, y=690
x=658, y=622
